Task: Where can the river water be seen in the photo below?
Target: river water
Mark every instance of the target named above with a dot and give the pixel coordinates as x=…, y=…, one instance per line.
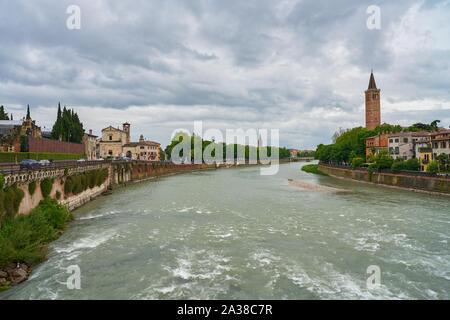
x=234, y=234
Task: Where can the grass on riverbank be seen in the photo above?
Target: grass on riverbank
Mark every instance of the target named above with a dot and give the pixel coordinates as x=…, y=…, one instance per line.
x=23, y=238
x=313, y=168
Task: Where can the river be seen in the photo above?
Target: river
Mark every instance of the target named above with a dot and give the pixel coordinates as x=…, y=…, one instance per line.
x=234, y=234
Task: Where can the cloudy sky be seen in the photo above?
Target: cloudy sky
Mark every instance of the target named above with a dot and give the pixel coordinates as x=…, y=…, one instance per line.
x=300, y=66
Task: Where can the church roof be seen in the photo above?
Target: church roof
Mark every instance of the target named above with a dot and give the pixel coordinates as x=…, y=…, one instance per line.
x=372, y=84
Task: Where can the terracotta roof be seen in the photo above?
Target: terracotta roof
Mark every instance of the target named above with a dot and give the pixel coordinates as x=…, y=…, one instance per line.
x=145, y=143
x=441, y=139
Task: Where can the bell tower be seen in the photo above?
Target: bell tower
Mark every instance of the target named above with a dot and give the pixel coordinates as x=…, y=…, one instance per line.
x=126, y=129
x=373, y=113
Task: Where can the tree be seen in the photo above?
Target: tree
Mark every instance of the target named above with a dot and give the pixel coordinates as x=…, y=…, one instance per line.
x=67, y=126
x=383, y=160
x=3, y=114
x=357, y=162
x=433, y=167
x=398, y=165
x=412, y=164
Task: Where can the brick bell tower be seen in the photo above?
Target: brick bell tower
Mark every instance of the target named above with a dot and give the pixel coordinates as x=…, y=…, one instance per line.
x=373, y=113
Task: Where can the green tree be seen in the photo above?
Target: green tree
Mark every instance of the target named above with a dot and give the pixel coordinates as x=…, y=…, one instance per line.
x=357, y=162
x=433, y=167
x=67, y=126
x=3, y=114
x=383, y=160
x=412, y=164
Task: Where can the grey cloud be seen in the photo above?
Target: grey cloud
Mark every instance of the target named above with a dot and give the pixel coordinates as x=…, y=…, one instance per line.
x=277, y=62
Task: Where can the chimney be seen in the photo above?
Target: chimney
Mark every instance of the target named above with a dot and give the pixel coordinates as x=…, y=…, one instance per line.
x=90, y=132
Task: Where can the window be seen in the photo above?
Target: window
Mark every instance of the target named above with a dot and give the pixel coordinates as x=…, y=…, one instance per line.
x=375, y=96
x=405, y=158
x=396, y=140
x=443, y=145
x=391, y=140
x=110, y=138
x=391, y=150
x=405, y=140
x=110, y=152
x=397, y=151
x=142, y=148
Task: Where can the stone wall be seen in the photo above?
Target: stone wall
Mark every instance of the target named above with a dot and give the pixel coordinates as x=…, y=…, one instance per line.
x=119, y=174
x=400, y=180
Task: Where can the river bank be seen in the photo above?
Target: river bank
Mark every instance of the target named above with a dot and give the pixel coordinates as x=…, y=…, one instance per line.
x=401, y=181
x=17, y=272
x=234, y=234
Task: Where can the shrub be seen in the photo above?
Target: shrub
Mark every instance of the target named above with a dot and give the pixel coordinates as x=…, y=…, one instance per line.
x=397, y=166
x=12, y=197
x=413, y=164
x=313, y=168
x=357, y=162
x=433, y=167
x=32, y=187
x=68, y=185
x=58, y=195
x=22, y=238
x=46, y=187
x=383, y=160
x=2, y=181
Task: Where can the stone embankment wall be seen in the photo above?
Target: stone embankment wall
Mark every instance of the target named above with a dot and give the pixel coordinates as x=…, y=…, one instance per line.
x=119, y=173
x=401, y=180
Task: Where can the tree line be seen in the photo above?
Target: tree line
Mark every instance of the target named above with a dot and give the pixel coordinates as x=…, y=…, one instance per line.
x=283, y=153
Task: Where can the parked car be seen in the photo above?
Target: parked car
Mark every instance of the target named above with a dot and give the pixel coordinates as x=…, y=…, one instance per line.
x=81, y=160
x=100, y=159
x=44, y=163
x=29, y=164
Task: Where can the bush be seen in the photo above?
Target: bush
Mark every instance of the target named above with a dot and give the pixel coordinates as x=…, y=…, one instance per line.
x=2, y=181
x=58, y=195
x=68, y=185
x=357, y=162
x=313, y=168
x=413, y=164
x=397, y=166
x=46, y=187
x=383, y=160
x=12, y=197
x=22, y=238
x=19, y=156
x=32, y=187
x=433, y=167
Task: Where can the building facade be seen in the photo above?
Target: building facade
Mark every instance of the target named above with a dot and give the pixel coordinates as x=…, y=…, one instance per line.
x=90, y=145
x=406, y=145
x=440, y=142
x=376, y=143
x=373, y=107
x=143, y=150
x=113, y=140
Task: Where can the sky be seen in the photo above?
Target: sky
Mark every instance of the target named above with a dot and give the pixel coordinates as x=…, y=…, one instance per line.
x=300, y=66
